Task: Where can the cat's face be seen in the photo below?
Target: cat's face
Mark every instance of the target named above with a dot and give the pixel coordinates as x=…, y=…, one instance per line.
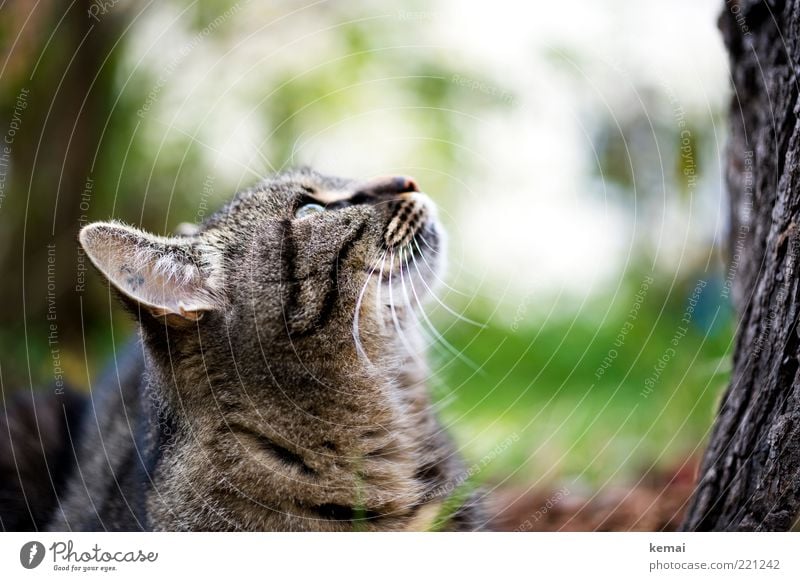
x=299, y=256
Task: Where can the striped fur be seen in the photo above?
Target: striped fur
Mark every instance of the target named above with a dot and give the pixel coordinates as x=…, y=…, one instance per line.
x=279, y=383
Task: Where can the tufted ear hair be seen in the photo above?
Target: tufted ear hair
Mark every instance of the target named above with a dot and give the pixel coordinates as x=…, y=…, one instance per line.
x=164, y=276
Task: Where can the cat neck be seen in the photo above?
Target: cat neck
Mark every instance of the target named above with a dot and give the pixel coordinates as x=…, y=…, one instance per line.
x=314, y=437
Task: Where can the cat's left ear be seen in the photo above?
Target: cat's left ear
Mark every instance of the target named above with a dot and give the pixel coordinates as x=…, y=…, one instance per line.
x=164, y=276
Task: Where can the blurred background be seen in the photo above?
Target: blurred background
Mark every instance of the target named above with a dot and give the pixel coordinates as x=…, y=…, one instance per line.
x=574, y=148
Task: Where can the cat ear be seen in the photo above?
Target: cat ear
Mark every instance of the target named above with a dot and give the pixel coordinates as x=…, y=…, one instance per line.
x=158, y=274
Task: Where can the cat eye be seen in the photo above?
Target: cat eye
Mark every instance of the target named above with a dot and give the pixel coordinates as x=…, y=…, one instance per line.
x=308, y=209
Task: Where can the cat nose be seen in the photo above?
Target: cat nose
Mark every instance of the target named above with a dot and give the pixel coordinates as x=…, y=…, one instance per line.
x=384, y=186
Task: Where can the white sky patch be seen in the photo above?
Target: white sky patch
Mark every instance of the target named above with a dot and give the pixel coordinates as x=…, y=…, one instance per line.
x=545, y=249
x=538, y=227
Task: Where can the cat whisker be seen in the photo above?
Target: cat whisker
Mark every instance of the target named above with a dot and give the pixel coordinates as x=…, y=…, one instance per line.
x=357, y=316
x=459, y=316
x=435, y=333
x=378, y=302
x=403, y=267
x=400, y=333
x=433, y=250
x=428, y=339
x=435, y=273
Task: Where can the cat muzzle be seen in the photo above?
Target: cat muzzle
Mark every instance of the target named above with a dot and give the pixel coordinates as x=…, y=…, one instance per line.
x=409, y=216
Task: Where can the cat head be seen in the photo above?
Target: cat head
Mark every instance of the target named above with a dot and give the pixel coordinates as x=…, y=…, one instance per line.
x=299, y=257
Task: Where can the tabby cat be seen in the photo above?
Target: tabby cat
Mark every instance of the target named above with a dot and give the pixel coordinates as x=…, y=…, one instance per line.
x=278, y=383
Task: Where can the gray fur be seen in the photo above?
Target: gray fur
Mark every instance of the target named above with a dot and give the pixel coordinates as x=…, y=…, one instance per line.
x=250, y=403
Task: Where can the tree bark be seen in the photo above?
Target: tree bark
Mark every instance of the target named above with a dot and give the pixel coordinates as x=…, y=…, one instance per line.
x=750, y=476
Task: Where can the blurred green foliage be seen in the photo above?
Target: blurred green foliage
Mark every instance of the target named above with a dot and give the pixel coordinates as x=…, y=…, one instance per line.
x=570, y=415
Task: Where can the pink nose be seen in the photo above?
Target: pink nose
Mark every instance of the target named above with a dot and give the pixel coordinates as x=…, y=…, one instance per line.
x=389, y=186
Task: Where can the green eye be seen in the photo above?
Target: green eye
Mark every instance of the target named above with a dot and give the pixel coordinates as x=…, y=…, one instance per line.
x=308, y=210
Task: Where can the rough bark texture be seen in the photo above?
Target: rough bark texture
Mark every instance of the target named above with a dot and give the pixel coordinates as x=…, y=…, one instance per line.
x=750, y=477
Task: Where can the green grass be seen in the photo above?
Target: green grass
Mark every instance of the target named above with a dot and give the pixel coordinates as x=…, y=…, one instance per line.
x=538, y=386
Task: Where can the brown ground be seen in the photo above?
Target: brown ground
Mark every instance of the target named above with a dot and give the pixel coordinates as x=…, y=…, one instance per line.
x=655, y=504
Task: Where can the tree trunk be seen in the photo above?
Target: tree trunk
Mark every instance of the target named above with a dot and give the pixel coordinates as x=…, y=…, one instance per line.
x=58, y=89
x=750, y=476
